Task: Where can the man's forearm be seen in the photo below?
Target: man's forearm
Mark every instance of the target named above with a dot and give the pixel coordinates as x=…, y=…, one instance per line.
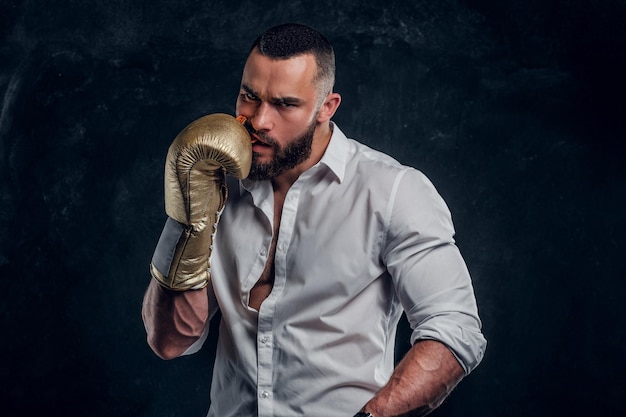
x=174, y=320
x=420, y=382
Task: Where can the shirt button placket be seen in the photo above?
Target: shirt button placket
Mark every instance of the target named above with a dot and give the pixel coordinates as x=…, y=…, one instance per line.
x=264, y=351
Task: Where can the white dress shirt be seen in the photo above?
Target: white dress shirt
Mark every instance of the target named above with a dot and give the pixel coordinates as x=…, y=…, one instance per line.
x=362, y=238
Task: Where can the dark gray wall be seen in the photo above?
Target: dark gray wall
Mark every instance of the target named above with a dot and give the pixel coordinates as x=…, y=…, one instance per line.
x=513, y=108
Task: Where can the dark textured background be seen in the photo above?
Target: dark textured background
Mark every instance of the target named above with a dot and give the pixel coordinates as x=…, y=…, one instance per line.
x=514, y=109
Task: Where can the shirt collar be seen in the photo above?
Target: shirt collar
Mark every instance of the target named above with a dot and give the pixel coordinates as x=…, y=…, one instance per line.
x=336, y=155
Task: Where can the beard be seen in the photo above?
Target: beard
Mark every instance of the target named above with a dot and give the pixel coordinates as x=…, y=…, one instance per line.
x=285, y=158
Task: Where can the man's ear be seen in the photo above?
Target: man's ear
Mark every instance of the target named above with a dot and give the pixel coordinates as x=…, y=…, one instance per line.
x=329, y=107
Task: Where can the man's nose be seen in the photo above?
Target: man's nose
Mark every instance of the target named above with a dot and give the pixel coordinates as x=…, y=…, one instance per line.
x=262, y=118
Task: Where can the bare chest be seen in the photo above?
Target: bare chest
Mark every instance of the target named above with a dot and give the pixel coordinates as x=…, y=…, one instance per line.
x=265, y=283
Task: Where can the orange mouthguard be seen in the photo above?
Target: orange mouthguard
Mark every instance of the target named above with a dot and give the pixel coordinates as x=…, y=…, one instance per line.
x=242, y=119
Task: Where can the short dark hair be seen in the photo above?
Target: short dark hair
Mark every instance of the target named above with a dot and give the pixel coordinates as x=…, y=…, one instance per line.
x=292, y=39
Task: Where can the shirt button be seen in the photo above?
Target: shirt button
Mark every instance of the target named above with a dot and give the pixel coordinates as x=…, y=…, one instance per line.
x=265, y=394
x=262, y=252
x=264, y=339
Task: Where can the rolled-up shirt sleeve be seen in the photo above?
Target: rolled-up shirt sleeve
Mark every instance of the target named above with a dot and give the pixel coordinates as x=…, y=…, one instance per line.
x=430, y=276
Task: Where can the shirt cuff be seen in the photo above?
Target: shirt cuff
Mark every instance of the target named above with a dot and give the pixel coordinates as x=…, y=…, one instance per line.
x=164, y=252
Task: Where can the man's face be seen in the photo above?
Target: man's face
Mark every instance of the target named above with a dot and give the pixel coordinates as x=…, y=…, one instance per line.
x=279, y=99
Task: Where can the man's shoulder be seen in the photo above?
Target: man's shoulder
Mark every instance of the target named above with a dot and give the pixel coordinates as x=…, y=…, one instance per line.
x=368, y=160
x=351, y=159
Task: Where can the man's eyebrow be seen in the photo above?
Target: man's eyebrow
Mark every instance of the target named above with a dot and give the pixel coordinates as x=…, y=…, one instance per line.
x=249, y=90
x=287, y=100
x=276, y=100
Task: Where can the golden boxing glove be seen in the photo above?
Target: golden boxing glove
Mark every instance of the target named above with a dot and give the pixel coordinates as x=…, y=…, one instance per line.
x=195, y=192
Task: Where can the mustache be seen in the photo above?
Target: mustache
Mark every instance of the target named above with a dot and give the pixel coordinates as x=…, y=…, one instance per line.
x=256, y=135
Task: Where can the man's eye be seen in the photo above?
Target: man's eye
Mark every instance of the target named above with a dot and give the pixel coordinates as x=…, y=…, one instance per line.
x=249, y=97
